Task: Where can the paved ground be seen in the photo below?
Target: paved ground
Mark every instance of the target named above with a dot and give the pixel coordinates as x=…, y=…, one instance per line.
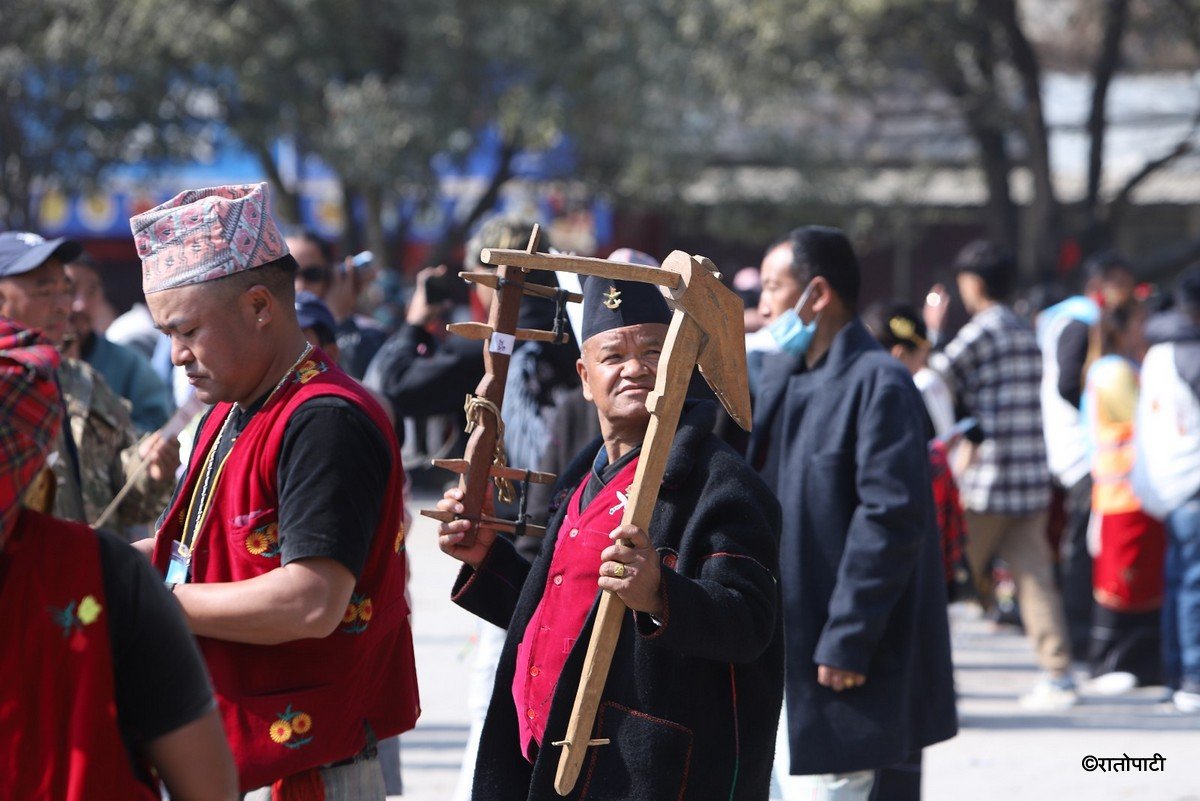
x=1002, y=753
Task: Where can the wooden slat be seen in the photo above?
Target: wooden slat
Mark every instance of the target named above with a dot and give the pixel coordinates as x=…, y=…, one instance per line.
x=583, y=265
x=483, y=332
x=485, y=520
x=511, y=473
x=535, y=290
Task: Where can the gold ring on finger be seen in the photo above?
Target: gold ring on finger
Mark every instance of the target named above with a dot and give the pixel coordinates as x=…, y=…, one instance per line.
x=619, y=570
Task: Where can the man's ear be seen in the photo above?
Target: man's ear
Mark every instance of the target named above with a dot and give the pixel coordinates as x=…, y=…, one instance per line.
x=258, y=303
x=581, y=369
x=822, y=294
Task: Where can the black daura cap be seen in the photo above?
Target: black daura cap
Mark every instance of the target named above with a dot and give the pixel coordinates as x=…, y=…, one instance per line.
x=609, y=304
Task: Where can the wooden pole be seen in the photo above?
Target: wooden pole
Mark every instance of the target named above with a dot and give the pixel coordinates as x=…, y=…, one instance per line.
x=481, y=446
x=680, y=354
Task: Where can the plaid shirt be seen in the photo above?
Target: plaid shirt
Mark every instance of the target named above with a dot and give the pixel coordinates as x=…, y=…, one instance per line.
x=994, y=368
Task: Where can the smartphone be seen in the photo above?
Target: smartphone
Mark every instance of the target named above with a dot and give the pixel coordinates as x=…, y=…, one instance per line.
x=358, y=263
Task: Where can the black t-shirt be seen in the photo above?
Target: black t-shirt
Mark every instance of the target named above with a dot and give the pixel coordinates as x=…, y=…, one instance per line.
x=332, y=475
x=160, y=681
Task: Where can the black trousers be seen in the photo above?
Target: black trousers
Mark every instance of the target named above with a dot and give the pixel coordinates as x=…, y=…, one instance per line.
x=1127, y=642
x=899, y=782
x=1075, y=569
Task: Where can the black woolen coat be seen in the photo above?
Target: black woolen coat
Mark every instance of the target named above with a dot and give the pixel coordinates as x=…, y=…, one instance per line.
x=860, y=558
x=692, y=706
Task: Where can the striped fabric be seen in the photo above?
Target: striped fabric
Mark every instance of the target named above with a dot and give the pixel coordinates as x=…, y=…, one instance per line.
x=30, y=411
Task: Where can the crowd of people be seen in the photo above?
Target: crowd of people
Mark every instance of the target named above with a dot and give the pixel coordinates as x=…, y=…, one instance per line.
x=788, y=620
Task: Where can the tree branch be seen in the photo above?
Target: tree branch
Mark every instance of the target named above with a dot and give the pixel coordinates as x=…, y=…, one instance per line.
x=457, y=232
x=287, y=204
x=1120, y=202
x=1116, y=15
x=1045, y=208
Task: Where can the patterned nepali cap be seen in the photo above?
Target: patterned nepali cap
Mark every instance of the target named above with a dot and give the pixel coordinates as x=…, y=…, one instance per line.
x=204, y=234
x=30, y=411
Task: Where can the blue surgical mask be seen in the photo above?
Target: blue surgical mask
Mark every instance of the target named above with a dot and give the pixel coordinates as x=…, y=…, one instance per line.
x=794, y=335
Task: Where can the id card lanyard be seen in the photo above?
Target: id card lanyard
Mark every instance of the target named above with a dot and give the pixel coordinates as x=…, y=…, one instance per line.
x=179, y=569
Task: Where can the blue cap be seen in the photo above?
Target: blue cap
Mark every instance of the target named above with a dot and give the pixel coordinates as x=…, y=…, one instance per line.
x=311, y=312
x=22, y=251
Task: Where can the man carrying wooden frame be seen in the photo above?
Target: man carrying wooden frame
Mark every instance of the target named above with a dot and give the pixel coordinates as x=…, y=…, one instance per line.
x=693, y=693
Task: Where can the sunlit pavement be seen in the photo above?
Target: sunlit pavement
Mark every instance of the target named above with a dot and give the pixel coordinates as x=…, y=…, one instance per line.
x=1005, y=752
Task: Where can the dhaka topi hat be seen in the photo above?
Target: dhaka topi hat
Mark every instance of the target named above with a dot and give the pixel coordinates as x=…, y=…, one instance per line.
x=311, y=312
x=22, y=252
x=609, y=304
x=30, y=411
x=205, y=234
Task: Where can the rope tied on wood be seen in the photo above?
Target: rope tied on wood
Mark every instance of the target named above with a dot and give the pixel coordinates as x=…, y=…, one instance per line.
x=474, y=408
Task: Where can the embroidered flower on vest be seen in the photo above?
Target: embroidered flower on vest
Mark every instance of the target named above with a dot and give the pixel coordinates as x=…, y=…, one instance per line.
x=264, y=541
x=358, y=614
x=76, y=615
x=309, y=370
x=290, y=728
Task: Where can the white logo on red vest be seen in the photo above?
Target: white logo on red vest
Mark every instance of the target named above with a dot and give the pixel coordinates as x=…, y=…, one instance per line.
x=622, y=501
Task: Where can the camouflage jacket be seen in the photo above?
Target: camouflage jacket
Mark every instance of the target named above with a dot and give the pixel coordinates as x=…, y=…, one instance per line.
x=107, y=447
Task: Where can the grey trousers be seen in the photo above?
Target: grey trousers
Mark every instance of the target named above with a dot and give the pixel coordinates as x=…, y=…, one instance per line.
x=359, y=781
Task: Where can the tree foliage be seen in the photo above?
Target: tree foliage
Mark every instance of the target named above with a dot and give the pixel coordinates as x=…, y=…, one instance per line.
x=653, y=95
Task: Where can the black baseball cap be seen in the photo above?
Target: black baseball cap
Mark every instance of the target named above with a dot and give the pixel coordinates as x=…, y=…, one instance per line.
x=22, y=251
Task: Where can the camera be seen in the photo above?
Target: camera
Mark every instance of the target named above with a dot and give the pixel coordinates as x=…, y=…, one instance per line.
x=441, y=288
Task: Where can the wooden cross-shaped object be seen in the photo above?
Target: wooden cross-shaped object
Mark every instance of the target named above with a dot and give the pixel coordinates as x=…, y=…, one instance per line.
x=482, y=461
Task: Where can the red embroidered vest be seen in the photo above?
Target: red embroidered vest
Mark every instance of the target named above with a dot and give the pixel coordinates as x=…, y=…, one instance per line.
x=59, y=737
x=301, y=704
x=568, y=597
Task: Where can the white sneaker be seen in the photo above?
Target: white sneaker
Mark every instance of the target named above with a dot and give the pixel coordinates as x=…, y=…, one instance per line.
x=1115, y=683
x=1050, y=695
x=1186, y=701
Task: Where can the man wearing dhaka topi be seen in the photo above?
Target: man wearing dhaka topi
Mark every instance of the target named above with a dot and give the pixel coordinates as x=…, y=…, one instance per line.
x=284, y=541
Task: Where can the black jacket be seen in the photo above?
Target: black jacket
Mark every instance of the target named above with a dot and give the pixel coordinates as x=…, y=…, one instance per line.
x=691, y=707
x=859, y=558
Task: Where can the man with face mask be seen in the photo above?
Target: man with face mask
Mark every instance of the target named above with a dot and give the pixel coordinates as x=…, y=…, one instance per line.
x=839, y=433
